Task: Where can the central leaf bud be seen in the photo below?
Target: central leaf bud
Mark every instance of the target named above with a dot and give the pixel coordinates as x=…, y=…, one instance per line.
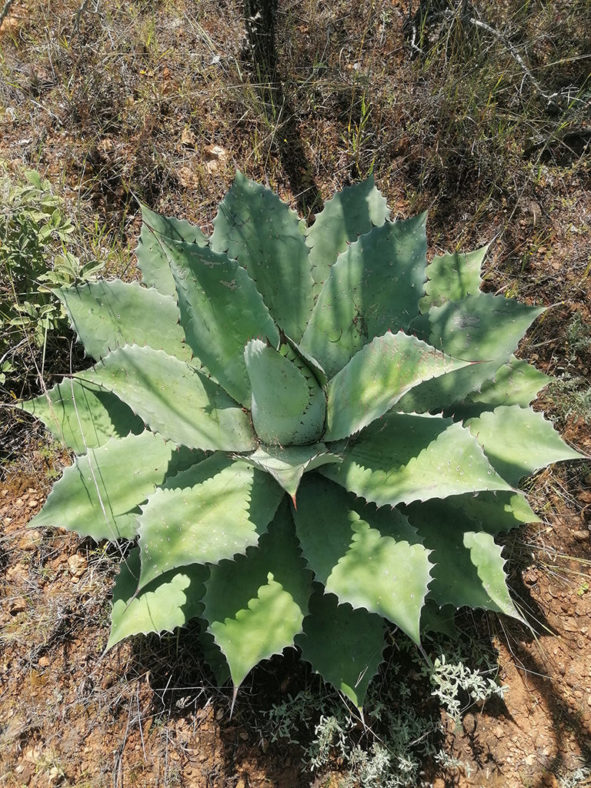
x=288, y=405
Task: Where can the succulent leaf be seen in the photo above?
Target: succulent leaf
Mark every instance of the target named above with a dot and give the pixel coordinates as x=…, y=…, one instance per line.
x=374, y=287
x=287, y=466
x=151, y=255
x=515, y=383
x=169, y=602
x=468, y=566
x=99, y=494
x=209, y=512
x=256, y=604
x=307, y=362
x=488, y=560
x=108, y=315
x=451, y=277
x=447, y=390
x=221, y=310
x=480, y=327
x=182, y=459
x=493, y=512
x=438, y=619
x=351, y=213
x=403, y=458
x=213, y=656
x=369, y=559
x=254, y=227
x=377, y=377
x=83, y=415
x=288, y=405
x=483, y=328
x=519, y=441
x=174, y=399
x=343, y=644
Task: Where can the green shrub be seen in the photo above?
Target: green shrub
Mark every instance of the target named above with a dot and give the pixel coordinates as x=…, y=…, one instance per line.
x=34, y=258
x=310, y=430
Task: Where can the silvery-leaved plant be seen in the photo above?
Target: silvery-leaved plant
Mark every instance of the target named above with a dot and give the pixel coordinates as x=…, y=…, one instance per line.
x=309, y=431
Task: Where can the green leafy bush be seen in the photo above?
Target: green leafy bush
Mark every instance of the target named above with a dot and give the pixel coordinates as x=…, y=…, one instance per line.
x=34, y=237
x=310, y=430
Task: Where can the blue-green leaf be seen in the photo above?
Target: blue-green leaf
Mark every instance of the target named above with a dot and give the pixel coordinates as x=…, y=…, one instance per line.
x=256, y=604
x=349, y=214
x=377, y=377
x=519, y=441
x=152, y=260
x=374, y=287
x=343, y=644
x=515, y=383
x=174, y=399
x=288, y=405
x=99, y=494
x=165, y=604
x=483, y=328
x=369, y=558
x=108, y=315
x=451, y=277
x=221, y=310
x=480, y=327
x=403, y=458
x=254, y=227
x=468, y=566
x=82, y=415
x=212, y=511
x=288, y=465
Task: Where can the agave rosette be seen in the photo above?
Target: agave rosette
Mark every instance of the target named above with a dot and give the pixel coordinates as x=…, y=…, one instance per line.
x=309, y=430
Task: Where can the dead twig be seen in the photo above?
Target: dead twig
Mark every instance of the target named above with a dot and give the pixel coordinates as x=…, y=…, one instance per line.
x=81, y=10
x=517, y=57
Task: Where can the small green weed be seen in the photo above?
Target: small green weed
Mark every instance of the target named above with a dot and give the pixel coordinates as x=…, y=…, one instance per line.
x=570, y=393
x=35, y=236
x=571, y=397
x=392, y=743
x=452, y=680
x=578, y=336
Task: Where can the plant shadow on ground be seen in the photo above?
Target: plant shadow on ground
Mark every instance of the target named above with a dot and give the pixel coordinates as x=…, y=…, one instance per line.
x=183, y=687
x=521, y=642
x=564, y=716
x=273, y=725
x=529, y=666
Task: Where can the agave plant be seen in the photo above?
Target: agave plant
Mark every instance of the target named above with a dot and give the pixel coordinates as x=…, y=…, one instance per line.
x=309, y=430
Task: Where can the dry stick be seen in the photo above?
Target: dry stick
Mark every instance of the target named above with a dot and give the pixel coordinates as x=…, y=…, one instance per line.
x=81, y=10
x=5, y=10
x=509, y=46
x=516, y=56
